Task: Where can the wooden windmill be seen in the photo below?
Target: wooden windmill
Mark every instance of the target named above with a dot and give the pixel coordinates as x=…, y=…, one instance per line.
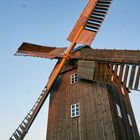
x=88, y=87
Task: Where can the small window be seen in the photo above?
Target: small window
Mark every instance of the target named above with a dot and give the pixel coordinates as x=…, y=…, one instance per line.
x=129, y=119
x=75, y=110
x=73, y=78
x=119, y=111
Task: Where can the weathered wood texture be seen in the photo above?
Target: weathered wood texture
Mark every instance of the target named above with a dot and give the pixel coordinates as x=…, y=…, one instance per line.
x=117, y=74
x=98, y=114
x=28, y=49
x=111, y=56
x=86, y=69
x=130, y=111
x=123, y=129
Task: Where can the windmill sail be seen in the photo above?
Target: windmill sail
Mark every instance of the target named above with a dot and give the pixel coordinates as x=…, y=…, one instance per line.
x=28, y=49
x=118, y=67
x=23, y=128
x=84, y=32
x=91, y=18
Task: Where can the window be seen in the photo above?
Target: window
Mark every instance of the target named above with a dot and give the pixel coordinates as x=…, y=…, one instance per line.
x=119, y=111
x=75, y=110
x=73, y=78
x=129, y=119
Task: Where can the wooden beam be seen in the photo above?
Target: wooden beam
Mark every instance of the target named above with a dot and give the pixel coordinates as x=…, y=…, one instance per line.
x=121, y=72
x=137, y=79
x=126, y=75
x=132, y=74
x=111, y=56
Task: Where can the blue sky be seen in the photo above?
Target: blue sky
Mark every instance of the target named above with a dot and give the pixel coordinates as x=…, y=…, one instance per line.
x=49, y=23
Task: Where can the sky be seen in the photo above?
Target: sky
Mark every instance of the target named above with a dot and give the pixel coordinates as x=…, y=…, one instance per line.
x=48, y=22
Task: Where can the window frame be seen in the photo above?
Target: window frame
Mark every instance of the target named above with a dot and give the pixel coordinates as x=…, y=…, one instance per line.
x=73, y=78
x=75, y=110
x=119, y=111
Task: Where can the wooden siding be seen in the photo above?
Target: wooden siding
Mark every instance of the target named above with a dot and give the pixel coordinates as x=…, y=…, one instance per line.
x=123, y=130
x=92, y=101
x=98, y=115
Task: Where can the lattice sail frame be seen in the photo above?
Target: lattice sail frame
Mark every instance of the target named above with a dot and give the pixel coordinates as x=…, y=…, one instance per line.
x=92, y=18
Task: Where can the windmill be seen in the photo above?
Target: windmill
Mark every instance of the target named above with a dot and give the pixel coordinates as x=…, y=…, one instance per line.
x=95, y=101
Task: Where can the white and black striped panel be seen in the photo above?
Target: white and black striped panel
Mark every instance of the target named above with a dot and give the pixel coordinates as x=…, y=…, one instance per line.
x=97, y=17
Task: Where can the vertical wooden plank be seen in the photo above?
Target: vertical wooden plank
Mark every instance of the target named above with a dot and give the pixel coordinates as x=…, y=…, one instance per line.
x=96, y=71
x=102, y=72
x=137, y=79
x=99, y=72
x=110, y=72
x=126, y=74
x=116, y=69
x=114, y=78
x=86, y=69
x=105, y=73
x=121, y=72
x=132, y=76
x=108, y=130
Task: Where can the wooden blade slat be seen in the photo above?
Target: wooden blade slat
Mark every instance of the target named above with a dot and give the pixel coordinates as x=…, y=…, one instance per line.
x=126, y=75
x=28, y=49
x=137, y=79
x=110, y=73
x=121, y=72
x=132, y=76
x=115, y=73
